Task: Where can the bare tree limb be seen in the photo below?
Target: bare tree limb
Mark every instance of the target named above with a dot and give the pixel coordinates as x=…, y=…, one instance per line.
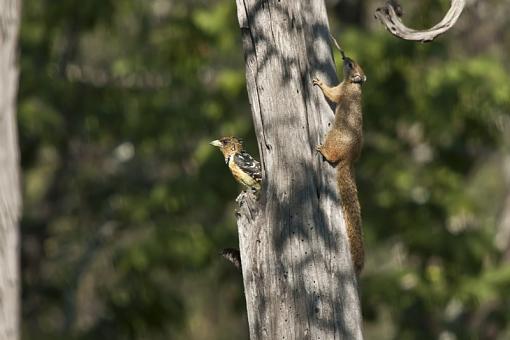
x=10, y=194
x=389, y=16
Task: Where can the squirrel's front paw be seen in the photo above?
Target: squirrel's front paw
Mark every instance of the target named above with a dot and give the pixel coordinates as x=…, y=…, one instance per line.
x=317, y=81
x=318, y=148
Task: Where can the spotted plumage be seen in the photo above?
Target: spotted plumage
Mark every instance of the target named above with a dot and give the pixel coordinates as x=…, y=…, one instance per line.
x=245, y=169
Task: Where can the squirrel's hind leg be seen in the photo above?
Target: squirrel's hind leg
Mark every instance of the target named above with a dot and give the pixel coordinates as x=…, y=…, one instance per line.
x=329, y=154
x=333, y=152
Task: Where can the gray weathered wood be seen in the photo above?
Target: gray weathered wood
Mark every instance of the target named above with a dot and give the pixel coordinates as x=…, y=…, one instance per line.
x=298, y=277
x=389, y=16
x=10, y=200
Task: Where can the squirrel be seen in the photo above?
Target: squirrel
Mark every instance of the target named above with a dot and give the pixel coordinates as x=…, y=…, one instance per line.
x=343, y=147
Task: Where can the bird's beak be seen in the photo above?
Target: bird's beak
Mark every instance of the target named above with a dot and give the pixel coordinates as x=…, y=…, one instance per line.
x=216, y=143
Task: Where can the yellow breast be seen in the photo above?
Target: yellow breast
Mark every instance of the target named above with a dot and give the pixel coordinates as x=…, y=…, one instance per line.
x=241, y=176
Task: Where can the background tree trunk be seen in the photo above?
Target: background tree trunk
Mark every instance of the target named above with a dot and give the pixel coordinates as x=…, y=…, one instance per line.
x=298, y=277
x=10, y=201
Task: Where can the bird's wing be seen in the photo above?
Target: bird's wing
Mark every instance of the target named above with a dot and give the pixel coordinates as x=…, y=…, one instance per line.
x=249, y=165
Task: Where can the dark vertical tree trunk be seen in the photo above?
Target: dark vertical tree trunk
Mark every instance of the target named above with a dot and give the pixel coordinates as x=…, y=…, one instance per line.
x=298, y=276
x=10, y=200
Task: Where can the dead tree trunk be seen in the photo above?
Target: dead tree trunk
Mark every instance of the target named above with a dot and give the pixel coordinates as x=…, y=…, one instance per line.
x=298, y=277
x=9, y=172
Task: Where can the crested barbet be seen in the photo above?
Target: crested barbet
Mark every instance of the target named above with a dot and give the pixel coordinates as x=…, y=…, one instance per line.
x=245, y=169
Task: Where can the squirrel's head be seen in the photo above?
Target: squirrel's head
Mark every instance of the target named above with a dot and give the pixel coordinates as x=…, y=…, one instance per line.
x=353, y=72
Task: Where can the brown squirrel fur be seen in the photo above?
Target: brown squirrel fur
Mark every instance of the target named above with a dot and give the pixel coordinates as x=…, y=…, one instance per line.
x=343, y=147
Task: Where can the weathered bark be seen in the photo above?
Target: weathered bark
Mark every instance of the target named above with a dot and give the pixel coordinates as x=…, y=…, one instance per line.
x=9, y=172
x=390, y=13
x=298, y=277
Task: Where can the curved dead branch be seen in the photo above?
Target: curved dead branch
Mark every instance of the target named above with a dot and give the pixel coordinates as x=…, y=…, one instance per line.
x=389, y=16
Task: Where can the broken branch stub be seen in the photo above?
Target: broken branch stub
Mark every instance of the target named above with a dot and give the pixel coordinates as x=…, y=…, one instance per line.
x=233, y=256
x=389, y=15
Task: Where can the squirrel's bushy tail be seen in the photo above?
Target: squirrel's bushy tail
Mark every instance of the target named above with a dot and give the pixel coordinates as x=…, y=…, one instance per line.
x=352, y=213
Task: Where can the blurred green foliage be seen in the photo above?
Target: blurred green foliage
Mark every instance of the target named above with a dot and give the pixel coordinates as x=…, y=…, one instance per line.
x=126, y=205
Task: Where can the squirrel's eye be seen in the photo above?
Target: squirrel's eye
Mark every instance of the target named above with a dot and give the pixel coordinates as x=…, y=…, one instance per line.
x=350, y=64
